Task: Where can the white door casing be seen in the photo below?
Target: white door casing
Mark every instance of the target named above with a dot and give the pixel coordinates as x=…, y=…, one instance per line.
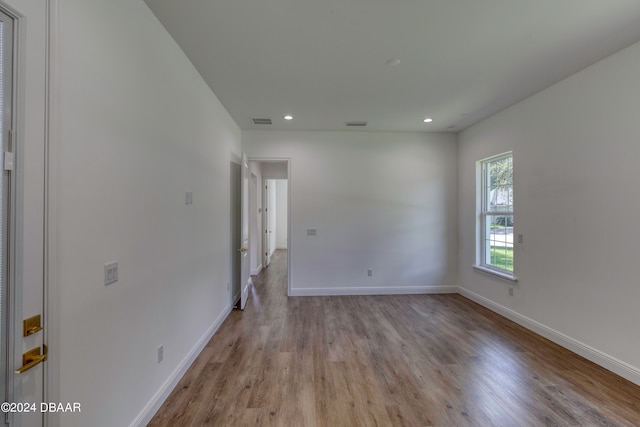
x=29, y=127
x=266, y=221
x=7, y=212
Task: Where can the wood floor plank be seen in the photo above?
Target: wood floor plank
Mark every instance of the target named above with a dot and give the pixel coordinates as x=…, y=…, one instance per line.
x=409, y=360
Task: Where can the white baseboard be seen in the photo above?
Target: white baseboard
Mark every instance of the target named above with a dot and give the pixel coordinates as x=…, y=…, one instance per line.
x=401, y=290
x=150, y=409
x=281, y=247
x=619, y=367
x=256, y=271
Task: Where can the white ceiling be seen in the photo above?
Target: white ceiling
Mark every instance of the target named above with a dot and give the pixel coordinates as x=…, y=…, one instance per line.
x=323, y=61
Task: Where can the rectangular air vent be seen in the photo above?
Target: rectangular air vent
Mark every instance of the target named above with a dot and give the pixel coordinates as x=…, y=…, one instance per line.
x=261, y=121
x=356, y=123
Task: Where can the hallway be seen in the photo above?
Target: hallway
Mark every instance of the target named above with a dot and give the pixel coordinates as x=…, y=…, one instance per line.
x=412, y=360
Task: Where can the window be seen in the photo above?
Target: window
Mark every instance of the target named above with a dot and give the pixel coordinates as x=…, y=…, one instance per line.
x=496, y=215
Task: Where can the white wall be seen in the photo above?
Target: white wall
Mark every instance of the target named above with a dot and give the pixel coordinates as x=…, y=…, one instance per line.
x=138, y=128
x=274, y=169
x=281, y=213
x=575, y=149
x=381, y=201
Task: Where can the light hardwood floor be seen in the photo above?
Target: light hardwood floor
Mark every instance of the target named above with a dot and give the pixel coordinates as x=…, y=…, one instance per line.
x=418, y=360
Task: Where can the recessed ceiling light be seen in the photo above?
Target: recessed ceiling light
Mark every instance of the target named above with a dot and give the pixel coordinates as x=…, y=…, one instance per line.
x=393, y=62
x=428, y=120
x=288, y=117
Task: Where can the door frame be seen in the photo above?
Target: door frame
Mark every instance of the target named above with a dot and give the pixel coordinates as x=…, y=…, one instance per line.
x=51, y=314
x=13, y=300
x=286, y=160
x=21, y=116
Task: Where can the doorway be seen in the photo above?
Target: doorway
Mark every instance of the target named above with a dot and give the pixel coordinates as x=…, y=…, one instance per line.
x=262, y=221
x=276, y=217
x=235, y=214
x=270, y=214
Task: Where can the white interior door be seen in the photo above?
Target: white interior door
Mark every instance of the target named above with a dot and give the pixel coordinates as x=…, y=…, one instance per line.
x=7, y=285
x=22, y=164
x=245, y=277
x=267, y=223
x=254, y=253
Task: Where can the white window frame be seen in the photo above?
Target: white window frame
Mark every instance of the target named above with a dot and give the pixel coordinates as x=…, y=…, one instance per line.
x=483, y=213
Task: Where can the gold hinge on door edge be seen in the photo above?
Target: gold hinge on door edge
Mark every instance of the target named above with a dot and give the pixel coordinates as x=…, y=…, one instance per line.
x=32, y=358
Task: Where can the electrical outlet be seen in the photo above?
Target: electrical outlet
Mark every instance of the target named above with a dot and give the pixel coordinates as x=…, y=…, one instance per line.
x=511, y=290
x=110, y=273
x=311, y=231
x=369, y=272
x=520, y=238
x=160, y=353
x=188, y=198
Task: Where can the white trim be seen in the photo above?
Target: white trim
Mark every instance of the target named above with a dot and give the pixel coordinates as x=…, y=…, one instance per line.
x=150, y=409
x=256, y=271
x=289, y=290
x=400, y=290
x=51, y=385
x=505, y=276
x=604, y=360
x=289, y=167
x=14, y=219
x=483, y=212
x=281, y=247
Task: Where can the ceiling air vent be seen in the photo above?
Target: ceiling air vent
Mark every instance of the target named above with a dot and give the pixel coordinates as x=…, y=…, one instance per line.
x=356, y=123
x=261, y=121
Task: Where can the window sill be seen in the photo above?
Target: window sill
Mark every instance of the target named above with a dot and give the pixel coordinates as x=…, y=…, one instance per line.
x=499, y=274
